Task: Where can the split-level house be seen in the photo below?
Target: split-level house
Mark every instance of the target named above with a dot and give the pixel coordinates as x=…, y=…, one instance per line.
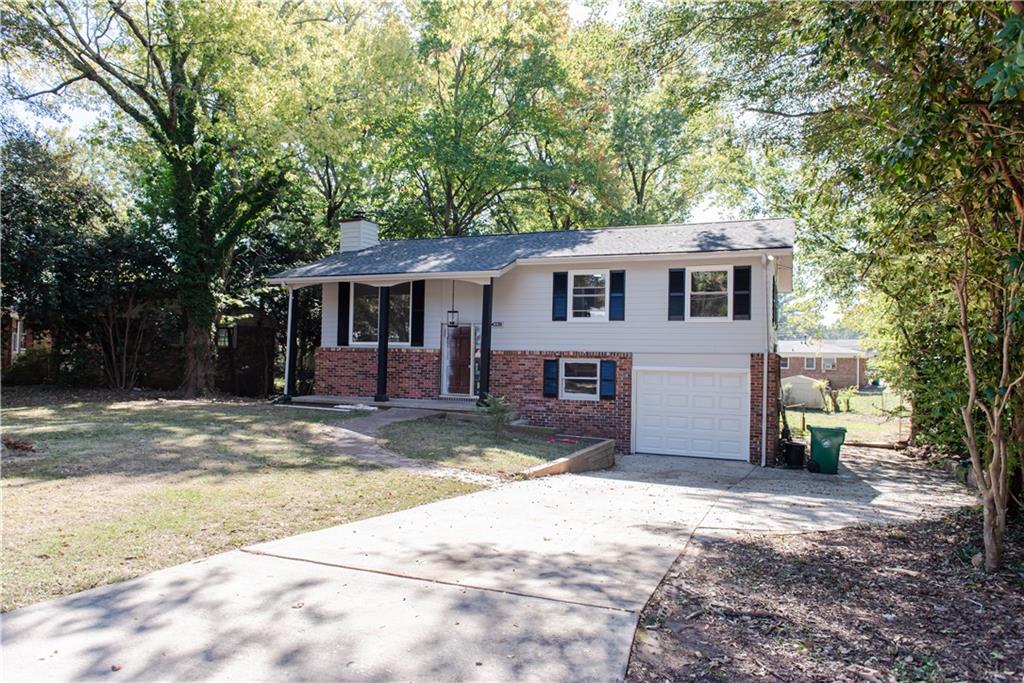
x=661, y=337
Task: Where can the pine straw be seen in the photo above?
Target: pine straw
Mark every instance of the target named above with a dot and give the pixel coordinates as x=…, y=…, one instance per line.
x=900, y=603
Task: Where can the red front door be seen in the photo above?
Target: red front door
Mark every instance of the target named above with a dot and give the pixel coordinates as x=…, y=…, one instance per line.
x=460, y=359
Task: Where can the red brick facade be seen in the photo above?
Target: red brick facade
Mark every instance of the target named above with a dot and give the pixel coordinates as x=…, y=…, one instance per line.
x=772, y=432
x=519, y=377
x=845, y=374
x=352, y=371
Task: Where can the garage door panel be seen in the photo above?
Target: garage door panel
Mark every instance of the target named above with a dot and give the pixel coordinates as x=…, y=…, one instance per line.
x=732, y=403
x=693, y=412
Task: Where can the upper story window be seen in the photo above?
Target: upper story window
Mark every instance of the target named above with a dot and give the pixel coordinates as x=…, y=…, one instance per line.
x=589, y=298
x=828, y=363
x=366, y=309
x=709, y=293
x=783, y=363
x=808, y=362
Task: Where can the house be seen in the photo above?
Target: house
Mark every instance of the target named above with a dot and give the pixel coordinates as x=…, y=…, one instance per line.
x=18, y=336
x=656, y=336
x=842, y=362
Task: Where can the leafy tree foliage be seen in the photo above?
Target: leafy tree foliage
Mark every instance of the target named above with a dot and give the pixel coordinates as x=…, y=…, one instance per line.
x=77, y=266
x=909, y=151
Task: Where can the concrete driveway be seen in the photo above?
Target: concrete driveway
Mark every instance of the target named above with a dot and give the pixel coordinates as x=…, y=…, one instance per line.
x=535, y=580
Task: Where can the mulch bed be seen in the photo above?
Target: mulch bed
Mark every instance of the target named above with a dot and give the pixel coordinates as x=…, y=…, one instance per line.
x=895, y=603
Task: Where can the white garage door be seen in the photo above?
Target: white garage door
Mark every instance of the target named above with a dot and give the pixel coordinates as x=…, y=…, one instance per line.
x=693, y=412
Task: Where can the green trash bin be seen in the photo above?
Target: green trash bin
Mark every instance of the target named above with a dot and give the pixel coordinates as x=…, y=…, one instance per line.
x=825, y=444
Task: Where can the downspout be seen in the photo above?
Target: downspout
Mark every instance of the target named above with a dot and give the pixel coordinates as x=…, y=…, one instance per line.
x=765, y=259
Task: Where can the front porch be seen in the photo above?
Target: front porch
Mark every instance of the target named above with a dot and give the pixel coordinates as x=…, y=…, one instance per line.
x=441, y=404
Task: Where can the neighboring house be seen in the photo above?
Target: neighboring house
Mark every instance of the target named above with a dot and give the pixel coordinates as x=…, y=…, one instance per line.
x=842, y=362
x=655, y=336
x=18, y=336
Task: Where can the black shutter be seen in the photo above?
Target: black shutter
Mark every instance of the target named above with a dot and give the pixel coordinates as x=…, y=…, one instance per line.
x=418, y=290
x=559, y=296
x=617, y=293
x=677, y=294
x=741, y=293
x=551, y=378
x=607, y=379
x=344, y=288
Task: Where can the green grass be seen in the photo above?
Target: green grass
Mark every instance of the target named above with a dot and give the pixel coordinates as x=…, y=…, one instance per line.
x=872, y=418
x=472, y=446
x=116, y=488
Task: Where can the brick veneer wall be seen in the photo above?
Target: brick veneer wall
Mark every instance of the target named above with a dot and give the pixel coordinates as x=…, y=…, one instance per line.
x=352, y=371
x=756, y=381
x=844, y=375
x=519, y=377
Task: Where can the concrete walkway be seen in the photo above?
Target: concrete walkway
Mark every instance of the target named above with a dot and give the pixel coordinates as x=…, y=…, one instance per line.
x=357, y=438
x=535, y=580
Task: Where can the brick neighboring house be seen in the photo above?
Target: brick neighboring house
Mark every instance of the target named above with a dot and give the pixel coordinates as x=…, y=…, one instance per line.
x=655, y=336
x=17, y=336
x=841, y=362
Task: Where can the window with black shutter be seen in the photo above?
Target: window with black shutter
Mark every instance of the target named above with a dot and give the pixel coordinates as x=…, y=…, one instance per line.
x=617, y=295
x=741, y=293
x=607, y=379
x=418, y=296
x=677, y=294
x=551, y=378
x=559, y=294
x=343, y=305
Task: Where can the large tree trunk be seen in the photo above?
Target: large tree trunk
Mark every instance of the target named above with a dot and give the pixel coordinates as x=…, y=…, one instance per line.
x=199, y=371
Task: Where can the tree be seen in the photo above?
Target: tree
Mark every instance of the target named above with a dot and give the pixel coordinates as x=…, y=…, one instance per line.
x=486, y=68
x=909, y=160
x=91, y=274
x=205, y=83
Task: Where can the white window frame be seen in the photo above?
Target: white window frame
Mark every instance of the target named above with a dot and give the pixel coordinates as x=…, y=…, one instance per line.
x=813, y=365
x=607, y=293
x=783, y=363
x=18, y=340
x=352, y=315
x=829, y=363
x=728, y=294
x=571, y=395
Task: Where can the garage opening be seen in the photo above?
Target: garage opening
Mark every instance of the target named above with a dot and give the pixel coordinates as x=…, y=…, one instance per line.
x=692, y=412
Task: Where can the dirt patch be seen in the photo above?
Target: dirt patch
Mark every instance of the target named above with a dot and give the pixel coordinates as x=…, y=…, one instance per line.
x=898, y=603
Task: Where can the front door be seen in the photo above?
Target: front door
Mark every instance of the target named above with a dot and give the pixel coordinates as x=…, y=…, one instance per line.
x=459, y=360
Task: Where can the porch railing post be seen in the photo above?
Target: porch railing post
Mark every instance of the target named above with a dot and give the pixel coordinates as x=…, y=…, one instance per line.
x=485, y=340
x=291, y=351
x=383, y=331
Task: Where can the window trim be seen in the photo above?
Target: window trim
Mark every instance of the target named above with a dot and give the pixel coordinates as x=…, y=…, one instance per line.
x=813, y=365
x=728, y=294
x=230, y=332
x=18, y=338
x=606, y=274
x=783, y=363
x=563, y=395
x=352, y=314
x=826, y=365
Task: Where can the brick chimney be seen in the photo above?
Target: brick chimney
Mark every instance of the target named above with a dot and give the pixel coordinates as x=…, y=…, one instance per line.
x=358, y=233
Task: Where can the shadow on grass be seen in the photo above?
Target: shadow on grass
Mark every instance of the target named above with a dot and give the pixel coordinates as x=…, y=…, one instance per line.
x=157, y=436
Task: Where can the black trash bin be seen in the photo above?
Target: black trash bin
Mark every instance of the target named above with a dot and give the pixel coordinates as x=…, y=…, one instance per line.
x=795, y=454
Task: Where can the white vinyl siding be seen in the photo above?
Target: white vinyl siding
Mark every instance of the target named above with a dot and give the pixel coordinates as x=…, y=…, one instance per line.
x=522, y=306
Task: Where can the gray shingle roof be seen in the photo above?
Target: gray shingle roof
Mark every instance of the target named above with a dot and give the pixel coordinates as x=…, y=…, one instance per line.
x=494, y=252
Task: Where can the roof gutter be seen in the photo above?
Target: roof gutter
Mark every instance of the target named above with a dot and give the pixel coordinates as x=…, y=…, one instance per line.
x=482, y=275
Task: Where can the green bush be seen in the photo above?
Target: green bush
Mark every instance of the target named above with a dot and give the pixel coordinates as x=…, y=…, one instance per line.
x=498, y=411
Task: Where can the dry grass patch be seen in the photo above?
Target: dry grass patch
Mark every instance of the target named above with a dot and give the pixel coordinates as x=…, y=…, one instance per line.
x=472, y=446
x=115, y=488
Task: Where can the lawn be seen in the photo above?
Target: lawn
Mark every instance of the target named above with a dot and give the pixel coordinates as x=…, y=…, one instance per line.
x=117, y=486
x=472, y=446
x=870, y=419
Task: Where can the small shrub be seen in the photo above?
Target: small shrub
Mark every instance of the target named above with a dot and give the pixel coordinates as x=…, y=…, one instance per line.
x=498, y=411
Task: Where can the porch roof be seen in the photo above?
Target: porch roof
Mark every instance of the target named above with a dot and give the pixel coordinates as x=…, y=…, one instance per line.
x=492, y=254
